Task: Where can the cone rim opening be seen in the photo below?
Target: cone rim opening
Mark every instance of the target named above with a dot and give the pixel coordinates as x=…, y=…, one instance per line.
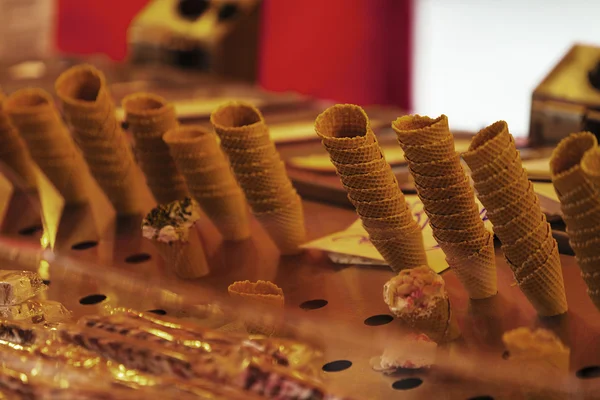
x=326, y=124
x=27, y=100
x=590, y=163
x=412, y=124
x=144, y=104
x=236, y=116
x=570, y=151
x=81, y=84
x=487, y=135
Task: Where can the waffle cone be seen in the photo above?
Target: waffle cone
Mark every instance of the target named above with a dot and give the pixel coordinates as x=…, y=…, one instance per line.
x=285, y=226
x=437, y=181
x=510, y=155
x=545, y=288
x=344, y=126
x=416, y=130
x=589, y=265
x=454, y=205
x=360, y=155
x=245, y=140
x=265, y=180
x=426, y=193
x=217, y=175
x=460, y=235
x=592, y=280
x=401, y=219
x=369, y=195
x=590, y=164
x=589, y=219
x=586, y=249
x=402, y=252
x=477, y=272
x=519, y=227
x=13, y=151
x=437, y=324
x=185, y=258
x=448, y=166
x=398, y=231
x=580, y=206
x=265, y=164
x=464, y=220
x=437, y=151
x=282, y=200
x=520, y=251
x=148, y=115
x=35, y=117
x=500, y=179
x=363, y=168
x=501, y=216
x=454, y=250
x=507, y=194
x=383, y=207
x=89, y=110
x=228, y=214
x=263, y=294
x=537, y=258
x=284, y=189
x=487, y=145
x=371, y=180
x=565, y=161
x=249, y=156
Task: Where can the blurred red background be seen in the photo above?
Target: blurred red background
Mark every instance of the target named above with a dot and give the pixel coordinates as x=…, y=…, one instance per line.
x=348, y=51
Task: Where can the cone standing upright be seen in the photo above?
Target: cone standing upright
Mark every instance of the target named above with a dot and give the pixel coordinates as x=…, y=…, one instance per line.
x=514, y=210
x=261, y=174
x=148, y=118
x=13, y=151
x=209, y=179
x=33, y=113
x=90, y=113
x=575, y=180
x=371, y=185
x=454, y=218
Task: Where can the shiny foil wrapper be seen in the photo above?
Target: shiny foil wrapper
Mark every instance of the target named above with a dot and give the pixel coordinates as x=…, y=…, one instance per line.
x=19, y=286
x=50, y=312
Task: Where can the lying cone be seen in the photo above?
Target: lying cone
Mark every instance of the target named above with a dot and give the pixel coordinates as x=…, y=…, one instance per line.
x=372, y=186
x=90, y=112
x=448, y=200
x=33, y=113
x=261, y=173
x=13, y=151
x=214, y=187
x=148, y=118
x=530, y=252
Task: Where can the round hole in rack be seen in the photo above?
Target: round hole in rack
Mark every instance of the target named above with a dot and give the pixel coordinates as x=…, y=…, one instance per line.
x=505, y=355
x=481, y=398
x=591, y=372
x=31, y=230
x=407, y=384
x=86, y=244
x=46, y=282
x=92, y=299
x=337, y=366
x=138, y=258
x=380, y=319
x=313, y=304
x=158, y=311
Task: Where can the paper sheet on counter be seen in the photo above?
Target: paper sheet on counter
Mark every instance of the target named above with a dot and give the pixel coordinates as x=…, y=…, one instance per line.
x=353, y=244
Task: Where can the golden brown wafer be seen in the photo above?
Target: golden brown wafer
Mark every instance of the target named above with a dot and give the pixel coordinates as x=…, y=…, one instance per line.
x=537, y=258
x=522, y=249
x=488, y=144
x=449, y=166
x=508, y=156
x=460, y=235
x=565, y=161
x=391, y=233
x=437, y=151
x=501, y=216
x=586, y=220
x=358, y=155
x=464, y=220
x=368, y=195
x=416, y=130
x=402, y=252
x=371, y=180
x=444, y=193
x=362, y=168
x=507, y=194
x=399, y=220
x=463, y=249
x=590, y=164
x=285, y=226
x=438, y=181
x=389, y=206
x=579, y=205
x=186, y=258
x=453, y=205
x=519, y=227
x=261, y=294
x=343, y=126
x=500, y=179
x=477, y=272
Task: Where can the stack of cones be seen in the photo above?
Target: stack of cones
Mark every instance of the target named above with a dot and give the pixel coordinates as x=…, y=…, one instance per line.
x=209, y=179
x=261, y=173
x=574, y=168
x=34, y=115
x=449, y=201
x=372, y=186
x=90, y=112
x=13, y=151
x=513, y=208
x=148, y=118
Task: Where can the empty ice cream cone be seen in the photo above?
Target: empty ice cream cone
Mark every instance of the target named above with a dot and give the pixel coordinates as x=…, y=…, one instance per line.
x=264, y=295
